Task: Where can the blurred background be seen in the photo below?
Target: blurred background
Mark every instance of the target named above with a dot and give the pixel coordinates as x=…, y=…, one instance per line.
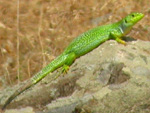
x=34, y=32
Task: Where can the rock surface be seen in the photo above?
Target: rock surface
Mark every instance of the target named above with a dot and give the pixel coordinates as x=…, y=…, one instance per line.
x=112, y=78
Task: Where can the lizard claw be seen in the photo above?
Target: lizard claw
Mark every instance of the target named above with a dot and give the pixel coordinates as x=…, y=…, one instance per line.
x=65, y=69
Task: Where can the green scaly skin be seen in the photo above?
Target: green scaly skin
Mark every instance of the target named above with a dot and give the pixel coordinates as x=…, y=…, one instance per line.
x=83, y=44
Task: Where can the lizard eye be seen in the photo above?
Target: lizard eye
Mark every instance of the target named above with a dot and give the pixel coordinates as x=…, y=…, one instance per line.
x=133, y=15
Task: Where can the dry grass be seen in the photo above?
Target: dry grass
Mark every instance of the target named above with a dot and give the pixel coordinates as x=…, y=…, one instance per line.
x=45, y=27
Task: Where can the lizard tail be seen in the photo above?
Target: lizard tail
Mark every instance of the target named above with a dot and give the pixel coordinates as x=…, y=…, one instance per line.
x=19, y=91
x=55, y=64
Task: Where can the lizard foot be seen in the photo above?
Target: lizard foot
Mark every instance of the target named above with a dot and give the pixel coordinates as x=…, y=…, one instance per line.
x=121, y=41
x=65, y=69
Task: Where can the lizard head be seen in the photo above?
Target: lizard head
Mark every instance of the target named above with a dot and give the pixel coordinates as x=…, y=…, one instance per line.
x=130, y=20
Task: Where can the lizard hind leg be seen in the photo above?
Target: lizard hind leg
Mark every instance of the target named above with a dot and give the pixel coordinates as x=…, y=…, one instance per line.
x=69, y=61
x=65, y=69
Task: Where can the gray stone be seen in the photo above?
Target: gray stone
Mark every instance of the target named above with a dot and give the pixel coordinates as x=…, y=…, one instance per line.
x=112, y=78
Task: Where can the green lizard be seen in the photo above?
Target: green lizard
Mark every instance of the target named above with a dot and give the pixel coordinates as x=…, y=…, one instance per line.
x=83, y=44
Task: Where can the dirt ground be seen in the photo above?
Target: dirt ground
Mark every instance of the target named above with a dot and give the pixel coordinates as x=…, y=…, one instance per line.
x=33, y=32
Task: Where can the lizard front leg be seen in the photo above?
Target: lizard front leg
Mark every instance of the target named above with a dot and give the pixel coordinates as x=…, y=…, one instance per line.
x=114, y=35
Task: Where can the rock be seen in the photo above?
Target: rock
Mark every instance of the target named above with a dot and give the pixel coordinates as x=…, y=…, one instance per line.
x=111, y=78
x=22, y=110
